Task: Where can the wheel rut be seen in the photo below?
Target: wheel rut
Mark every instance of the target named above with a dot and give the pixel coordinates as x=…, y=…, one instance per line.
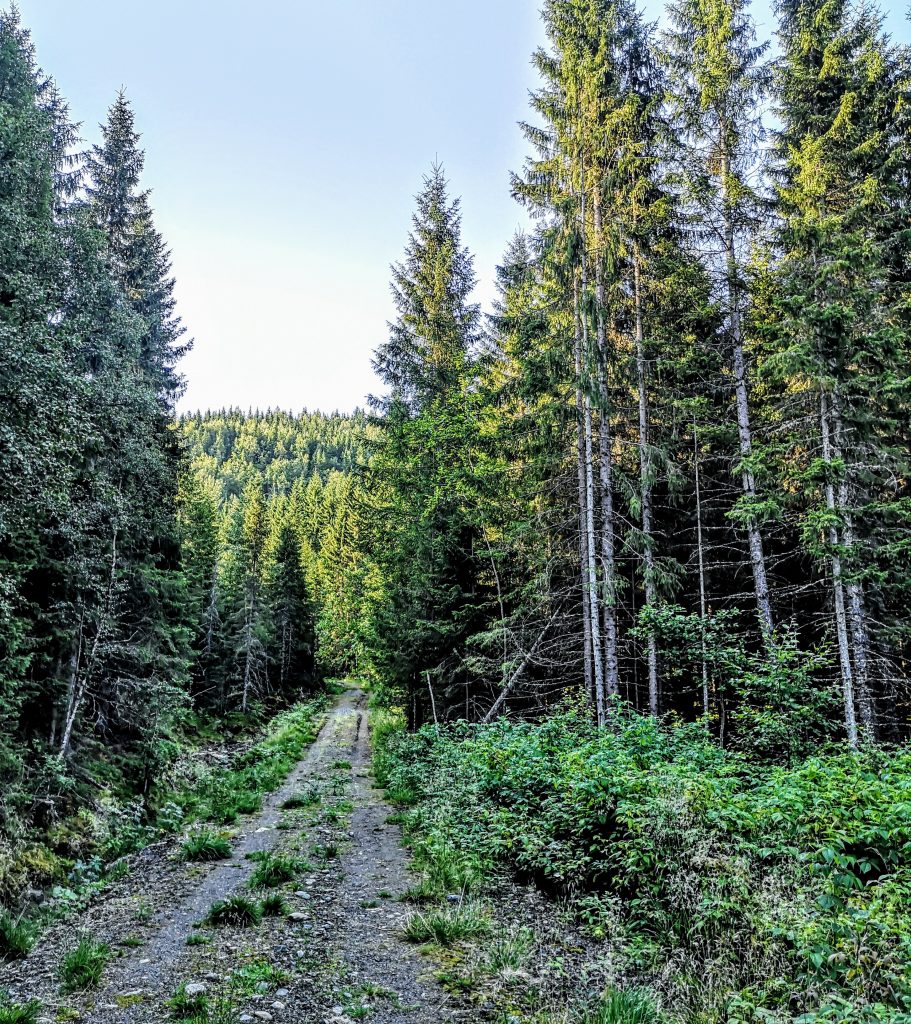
x=336, y=957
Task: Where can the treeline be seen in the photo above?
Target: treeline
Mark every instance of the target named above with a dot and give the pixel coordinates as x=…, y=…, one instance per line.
x=674, y=463
x=94, y=646
x=157, y=577
x=266, y=513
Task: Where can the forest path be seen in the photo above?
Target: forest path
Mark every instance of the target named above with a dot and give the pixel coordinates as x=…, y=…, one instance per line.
x=337, y=957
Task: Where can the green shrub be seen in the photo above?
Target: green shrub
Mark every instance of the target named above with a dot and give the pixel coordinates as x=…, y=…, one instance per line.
x=17, y=936
x=791, y=880
x=205, y=846
x=236, y=911
x=83, y=966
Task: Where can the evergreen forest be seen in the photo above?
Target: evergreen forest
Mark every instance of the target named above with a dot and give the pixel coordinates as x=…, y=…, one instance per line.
x=623, y=564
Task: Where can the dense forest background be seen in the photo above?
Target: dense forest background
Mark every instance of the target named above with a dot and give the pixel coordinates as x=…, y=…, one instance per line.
x=669, y=475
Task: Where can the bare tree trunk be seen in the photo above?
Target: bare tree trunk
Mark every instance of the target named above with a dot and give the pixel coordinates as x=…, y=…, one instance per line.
x=608, y=554
x=583, y=560
x=248, y=659
x=738, y=364
x=79, y=676
x=841, y=623
x=590, y=574
x=857, y=612
x=701, y=557
x=645, y=483
x=520, y=669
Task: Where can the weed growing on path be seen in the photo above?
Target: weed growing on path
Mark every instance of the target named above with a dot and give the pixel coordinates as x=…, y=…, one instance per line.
x=236, y=910
x=83, y=966
x=308, y=797
x=446, y=925
x=274, y=870
x=629, y=1006
x=205, y=846
x=273, y=905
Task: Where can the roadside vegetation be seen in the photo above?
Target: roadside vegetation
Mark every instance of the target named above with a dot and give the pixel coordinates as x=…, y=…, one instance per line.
x=726, y=888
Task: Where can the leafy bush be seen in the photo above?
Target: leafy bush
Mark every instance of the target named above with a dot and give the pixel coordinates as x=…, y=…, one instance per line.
x=83, y=966
x=748, y=889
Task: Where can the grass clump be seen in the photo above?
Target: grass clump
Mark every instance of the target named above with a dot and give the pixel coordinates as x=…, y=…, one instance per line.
x=198, y=939
x=274, y=870
x=247, y=980
x=236, y=911
x=446, y=925
x=273, y=904
x=17, y=936
x=624, y=1006
x=205, y=845
x=83, y=966
x=20, y=1013
x=308, y=797
x=183, y=1004
x=508, y=951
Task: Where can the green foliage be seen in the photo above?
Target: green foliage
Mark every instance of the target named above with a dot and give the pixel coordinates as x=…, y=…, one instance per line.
x=83, y=966
x=273, y=904
x=17, y=936
x=789, y=878
x=237, y=911
x=446, y=925
x=205, y=845
x=273, y=870
x=302, y=798
x=20, y=1013
x=624, y=1006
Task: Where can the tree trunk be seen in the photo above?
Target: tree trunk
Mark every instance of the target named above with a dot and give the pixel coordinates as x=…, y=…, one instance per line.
x=738, y=364
x=841, y=622
x=857, y=612
x=701, y=557
x=608, y=554
x=645, y=482
x=590, y=572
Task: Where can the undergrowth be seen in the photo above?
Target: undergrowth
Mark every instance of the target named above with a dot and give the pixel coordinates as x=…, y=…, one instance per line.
x=731, y=889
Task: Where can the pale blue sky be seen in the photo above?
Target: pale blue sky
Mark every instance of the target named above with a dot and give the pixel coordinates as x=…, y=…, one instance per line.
x=285, y=141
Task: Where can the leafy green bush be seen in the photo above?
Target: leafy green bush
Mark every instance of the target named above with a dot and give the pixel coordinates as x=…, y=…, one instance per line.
x=769, y=889
x=83, y=966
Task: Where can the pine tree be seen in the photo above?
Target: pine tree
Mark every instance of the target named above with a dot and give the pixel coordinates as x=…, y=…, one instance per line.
x=841, y=288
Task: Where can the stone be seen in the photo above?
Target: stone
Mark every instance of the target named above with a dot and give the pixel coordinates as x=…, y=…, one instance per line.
x=196, y=989
x=244, y=1018
x=262, y=1015
x=298, y=916
x=278, y=1005
x=282, y=992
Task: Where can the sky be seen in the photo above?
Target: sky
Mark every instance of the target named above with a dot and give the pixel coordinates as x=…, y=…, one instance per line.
x=285, y=141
